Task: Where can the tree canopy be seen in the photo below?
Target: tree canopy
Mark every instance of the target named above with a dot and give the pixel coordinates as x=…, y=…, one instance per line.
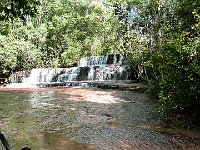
x=10, y=9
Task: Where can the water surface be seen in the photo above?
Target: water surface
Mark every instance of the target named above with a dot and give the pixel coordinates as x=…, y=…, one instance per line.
x=89, y=119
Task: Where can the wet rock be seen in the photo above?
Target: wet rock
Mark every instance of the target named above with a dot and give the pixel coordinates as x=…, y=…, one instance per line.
x=73, y=109
x=34, y=107
x=26, y=148
x=108, y=115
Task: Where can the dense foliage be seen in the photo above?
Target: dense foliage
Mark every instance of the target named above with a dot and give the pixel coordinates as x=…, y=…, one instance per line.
x=161, y=38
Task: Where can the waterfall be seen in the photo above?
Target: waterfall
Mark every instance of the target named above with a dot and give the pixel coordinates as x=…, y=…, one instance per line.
x=70, y=74
x=100, y=68
x=39, y=75
x=94, y=68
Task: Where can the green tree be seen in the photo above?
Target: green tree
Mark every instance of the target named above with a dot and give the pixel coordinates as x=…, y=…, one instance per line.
x=72, y=28
x=181, y=63
x=16, y=55
x=11, y=9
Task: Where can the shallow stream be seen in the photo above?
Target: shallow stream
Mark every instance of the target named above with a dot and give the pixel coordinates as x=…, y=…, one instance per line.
x=87, y=119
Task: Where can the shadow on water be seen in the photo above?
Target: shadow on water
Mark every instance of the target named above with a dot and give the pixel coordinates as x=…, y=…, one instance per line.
x=139, y=110
x=60, y=142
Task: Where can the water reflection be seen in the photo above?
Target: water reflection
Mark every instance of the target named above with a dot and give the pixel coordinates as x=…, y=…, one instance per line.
x=55, y=141
x=27, y=117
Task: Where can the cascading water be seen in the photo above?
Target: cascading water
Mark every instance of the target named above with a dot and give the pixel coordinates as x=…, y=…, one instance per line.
x=90, y=69
x=98, y=68
x=70, y=74
x=40, y=75
x=25, y=79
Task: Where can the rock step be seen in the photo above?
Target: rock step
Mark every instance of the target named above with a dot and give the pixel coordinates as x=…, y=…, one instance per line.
x=120, y=85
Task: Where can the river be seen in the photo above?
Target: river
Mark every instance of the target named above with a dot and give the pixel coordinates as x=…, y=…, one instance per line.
x=87, y=119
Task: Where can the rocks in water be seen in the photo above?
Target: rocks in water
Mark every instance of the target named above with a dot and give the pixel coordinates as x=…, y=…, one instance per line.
x=26, y=148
